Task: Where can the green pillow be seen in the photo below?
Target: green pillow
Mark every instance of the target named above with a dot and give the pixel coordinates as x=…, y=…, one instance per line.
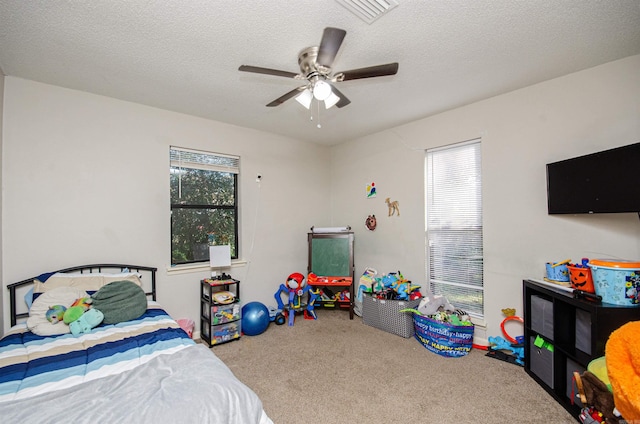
x=120, y=301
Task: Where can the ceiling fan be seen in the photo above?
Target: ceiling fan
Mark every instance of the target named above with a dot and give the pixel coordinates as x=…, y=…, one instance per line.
x=316, y=68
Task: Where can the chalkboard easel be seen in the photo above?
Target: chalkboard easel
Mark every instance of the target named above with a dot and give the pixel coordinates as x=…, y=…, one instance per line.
x=331, y=254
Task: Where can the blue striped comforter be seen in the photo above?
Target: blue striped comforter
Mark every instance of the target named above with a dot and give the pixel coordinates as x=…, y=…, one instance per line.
x=31, y=365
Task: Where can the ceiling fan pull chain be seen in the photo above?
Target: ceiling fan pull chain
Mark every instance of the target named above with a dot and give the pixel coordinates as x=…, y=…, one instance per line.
x=318, y=104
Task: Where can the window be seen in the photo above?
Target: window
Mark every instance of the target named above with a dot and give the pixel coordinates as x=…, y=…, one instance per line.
x=204, y=203
x=454, y=225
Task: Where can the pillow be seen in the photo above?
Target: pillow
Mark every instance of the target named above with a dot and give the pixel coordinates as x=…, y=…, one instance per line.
x=88, y=282
x=120, y=301
x=37, y=321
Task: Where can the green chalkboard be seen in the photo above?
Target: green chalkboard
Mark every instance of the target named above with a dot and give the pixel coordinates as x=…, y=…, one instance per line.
x=331, y=255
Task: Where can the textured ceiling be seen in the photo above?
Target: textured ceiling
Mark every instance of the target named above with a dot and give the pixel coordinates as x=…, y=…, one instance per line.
x=184, y=55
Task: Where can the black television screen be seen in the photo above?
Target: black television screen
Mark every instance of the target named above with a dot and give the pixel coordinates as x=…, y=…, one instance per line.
x=603, y=182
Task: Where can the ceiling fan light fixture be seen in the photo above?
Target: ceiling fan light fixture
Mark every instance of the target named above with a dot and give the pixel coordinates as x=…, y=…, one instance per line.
x=331, y=100
x=305, y=98
x=322, y=90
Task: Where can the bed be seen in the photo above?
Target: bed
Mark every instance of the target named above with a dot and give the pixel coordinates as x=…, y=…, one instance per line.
x=145, y=369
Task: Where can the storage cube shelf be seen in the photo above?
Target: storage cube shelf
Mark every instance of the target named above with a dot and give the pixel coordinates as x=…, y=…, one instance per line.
x=220, y=322
x=563, y=334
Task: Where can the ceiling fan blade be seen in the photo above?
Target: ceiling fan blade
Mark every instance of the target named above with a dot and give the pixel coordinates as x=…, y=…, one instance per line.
x=343, y=99
x=287, y=96
x=371, y=71
x=266, y=71
x=329, y=46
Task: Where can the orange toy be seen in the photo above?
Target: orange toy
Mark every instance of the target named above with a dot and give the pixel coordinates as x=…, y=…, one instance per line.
x=622, y=354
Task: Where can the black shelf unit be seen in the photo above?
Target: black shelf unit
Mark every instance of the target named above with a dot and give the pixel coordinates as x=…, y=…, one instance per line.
x=219, y=322
x=578, y=330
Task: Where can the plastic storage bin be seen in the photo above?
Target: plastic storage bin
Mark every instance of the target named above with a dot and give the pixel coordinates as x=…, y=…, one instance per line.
x=618, y=282
x=222, y=314
x=222, y=333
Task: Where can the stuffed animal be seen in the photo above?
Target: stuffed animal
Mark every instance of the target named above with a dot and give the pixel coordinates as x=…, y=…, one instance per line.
x=622, y=354
x=75, y=311
x=90, y=319
x=595, y=392
x=431, y=304
x=55, y=314
x=72, y=313
x=84, y=302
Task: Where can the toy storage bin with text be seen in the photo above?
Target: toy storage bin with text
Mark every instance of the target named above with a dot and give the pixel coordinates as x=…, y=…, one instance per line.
x=443, y=338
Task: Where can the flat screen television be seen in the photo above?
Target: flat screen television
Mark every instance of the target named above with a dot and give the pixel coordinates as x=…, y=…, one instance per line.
x=603, y=182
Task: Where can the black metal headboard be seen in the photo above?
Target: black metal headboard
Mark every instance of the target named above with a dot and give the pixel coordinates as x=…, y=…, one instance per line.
x=83, y=269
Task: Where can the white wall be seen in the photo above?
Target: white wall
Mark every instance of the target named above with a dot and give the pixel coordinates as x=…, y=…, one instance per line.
x=521, y=131
x=86, y=180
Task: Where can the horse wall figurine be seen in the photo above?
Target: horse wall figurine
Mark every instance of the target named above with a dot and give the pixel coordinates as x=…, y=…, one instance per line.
x=393, y=207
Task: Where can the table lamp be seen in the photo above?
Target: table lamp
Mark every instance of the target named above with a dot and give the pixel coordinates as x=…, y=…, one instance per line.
x=219, y=257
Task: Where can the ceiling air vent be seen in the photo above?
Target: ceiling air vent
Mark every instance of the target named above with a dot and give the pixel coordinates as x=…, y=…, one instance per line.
x=369, y=10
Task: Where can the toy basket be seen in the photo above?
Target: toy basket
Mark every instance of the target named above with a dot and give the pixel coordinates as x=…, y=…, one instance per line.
x=385, y=314
x=443, y=338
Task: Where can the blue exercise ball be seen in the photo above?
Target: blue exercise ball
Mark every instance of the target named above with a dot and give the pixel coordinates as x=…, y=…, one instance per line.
x=255, y=318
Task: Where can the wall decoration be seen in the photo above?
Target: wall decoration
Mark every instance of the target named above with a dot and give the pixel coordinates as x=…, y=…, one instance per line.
x=371, y=223
x=371, y=190
x=393, y=207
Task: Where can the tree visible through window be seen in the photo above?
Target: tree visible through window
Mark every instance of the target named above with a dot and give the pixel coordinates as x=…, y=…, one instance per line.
x=454, y=225
x=204, y=208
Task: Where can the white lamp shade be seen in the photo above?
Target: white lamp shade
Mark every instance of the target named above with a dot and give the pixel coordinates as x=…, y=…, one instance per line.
x=305, y=98
x=331, y=100
x=321, y=90
x=220, y=256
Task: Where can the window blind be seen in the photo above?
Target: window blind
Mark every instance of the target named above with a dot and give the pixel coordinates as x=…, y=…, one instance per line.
x=196, y=159
x=453, y=217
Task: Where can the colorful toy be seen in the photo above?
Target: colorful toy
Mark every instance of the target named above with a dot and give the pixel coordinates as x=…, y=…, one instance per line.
x=55, y=314
x=276, y=315
x=75, y=311
x=295, y=289
x=500, y=344
x=255, y=318
x=90, y=319
x=72, y=313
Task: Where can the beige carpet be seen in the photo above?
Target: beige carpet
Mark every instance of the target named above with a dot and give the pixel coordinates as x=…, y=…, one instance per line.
x=336, y=370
